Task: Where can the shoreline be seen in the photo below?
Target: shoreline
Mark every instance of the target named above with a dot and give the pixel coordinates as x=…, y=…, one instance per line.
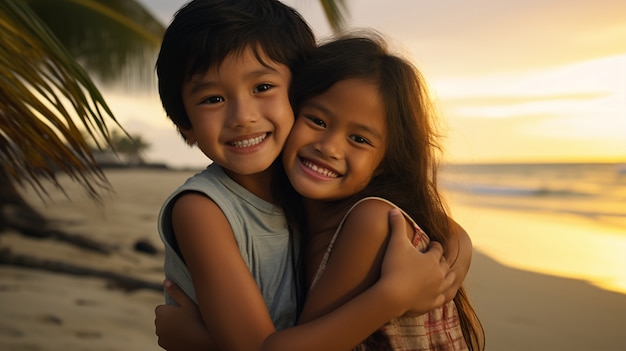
x=559, y=244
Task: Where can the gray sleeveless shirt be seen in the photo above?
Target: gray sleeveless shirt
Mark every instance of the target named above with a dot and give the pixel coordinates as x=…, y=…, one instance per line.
x=261, y=233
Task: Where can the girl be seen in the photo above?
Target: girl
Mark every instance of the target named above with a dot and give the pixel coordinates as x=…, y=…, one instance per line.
x=347, y=143
x=363, y=143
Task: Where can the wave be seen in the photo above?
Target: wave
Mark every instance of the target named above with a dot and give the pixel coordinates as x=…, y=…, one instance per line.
x=508, y=190
x=596, y=192
x=589, y=212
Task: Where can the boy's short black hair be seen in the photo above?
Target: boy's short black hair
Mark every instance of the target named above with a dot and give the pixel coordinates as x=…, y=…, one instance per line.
x=204, y=32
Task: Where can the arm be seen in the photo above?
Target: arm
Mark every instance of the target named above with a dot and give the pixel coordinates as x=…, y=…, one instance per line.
x=181, y=328
x=343, y=328
x=391, y=296
x=355, y=264
x=229, y=301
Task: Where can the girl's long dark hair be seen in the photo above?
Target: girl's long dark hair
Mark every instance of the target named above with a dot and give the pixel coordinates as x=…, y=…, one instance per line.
x=407, y=174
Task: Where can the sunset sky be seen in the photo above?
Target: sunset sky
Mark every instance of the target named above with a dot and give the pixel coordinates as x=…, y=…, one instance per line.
x=532, y=81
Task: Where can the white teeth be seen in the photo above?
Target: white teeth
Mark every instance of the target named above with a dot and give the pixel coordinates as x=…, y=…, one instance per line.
x=249, y=142
x=323, y=171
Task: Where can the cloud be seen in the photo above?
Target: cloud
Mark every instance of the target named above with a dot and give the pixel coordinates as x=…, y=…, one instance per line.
x=461, y=38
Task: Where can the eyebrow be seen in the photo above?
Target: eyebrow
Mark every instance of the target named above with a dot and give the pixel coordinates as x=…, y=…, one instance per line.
x=199, y=84
x=358, y=126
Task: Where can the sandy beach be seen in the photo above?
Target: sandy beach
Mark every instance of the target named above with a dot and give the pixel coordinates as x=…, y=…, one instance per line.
x=40, y=310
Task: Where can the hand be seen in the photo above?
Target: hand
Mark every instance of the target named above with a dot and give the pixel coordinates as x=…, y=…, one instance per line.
x=180, y=327
x=418, y=280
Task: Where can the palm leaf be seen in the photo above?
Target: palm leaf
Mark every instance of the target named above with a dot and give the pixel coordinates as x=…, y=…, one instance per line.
x=112, y=39
x=43, y=88
x=334, y=11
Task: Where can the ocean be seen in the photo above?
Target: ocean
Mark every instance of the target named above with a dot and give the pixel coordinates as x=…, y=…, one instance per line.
x=563, y=219
x=594, y=191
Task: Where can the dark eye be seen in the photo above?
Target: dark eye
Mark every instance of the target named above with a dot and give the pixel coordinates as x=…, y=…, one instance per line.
x=262, y=87
x=359, y=139
x=213, y=100
x=317, y=121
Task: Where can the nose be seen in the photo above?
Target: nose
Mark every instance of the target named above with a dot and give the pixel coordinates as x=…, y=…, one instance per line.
x=242, y=111
x=330, y=145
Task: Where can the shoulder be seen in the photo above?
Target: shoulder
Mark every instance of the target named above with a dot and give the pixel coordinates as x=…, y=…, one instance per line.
x=188, y=199
x=202, y=182
x=368, y=219
x=192, y=208
x=370, y=206
x=200, y=227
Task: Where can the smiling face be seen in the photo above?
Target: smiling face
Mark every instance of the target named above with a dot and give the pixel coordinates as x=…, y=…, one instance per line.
x=240, y=112
x=337, y=142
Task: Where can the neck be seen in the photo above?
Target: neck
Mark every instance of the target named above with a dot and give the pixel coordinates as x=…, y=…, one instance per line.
x=322, y=216
x=322, y=223
x=258, y=183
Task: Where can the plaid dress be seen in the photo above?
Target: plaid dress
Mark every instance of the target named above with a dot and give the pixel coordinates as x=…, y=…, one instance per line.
x=439, y=329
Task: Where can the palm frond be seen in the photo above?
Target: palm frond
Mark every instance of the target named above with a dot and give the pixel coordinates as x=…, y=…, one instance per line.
x=112, y=39
x=43, y=90
x=335, y=11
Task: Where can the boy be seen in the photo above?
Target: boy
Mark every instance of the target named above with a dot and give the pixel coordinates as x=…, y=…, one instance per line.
x=238, y=113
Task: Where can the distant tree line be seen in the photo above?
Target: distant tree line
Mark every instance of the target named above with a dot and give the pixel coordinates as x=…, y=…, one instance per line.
x=122, y=150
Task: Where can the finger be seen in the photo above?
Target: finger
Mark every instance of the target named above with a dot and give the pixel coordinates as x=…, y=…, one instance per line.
x=436, y=251
x=444, y=261
x=158, y=309
x=440, y=300
x=176, y=293
x=397, y=225
x=435, y=248
x=449, y=279
x=160, y=313
x=449, y=285
x=156, y=314
x=444, y=266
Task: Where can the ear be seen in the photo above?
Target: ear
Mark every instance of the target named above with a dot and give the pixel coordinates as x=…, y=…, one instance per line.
x=189, y=136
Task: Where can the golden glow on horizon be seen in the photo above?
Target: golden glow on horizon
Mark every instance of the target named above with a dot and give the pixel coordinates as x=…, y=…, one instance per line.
x=575, y=112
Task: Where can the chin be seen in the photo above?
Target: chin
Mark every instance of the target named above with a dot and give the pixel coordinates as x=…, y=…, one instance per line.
x=307, y=192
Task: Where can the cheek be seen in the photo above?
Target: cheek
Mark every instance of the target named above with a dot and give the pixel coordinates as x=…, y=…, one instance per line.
x=284, y=128
x=284, y=113
x=296, y=140
x=291, y=147
x=289, y=124
x=297, y=133
x=371, y=169
x=379, y=169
